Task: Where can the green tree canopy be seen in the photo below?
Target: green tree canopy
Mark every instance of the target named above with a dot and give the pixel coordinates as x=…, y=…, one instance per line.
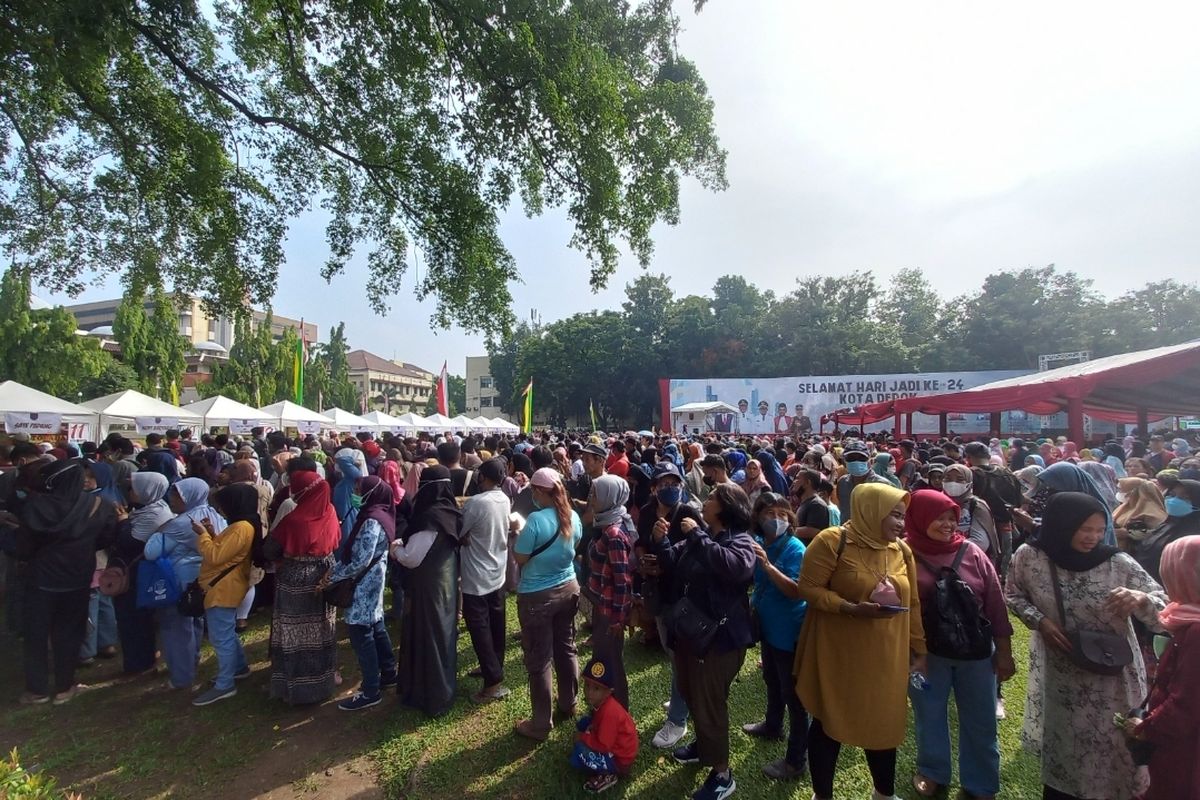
x=174, y=140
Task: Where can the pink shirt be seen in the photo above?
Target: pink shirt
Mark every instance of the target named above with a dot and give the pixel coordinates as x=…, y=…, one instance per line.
x=977, y=571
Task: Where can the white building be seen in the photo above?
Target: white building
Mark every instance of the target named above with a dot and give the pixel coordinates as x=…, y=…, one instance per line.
x=482, y=396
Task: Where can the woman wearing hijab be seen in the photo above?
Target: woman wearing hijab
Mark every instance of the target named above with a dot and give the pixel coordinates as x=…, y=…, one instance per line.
x=1017, y=454
x=62, y=527
x=975, y=520
x=1068, y=709
x=931, y=531
x=428, y=551
x=181, y=635
x=225, y=578
x=1172, y=722
x=303, y=641
x=1065, y=477
x=1182, y=505
x=1114, y=456
x=771, y=470
x=1070, y=452
x=135, y=626
x=349, y=471
x=101, y=637
x=610, y=577
x=547, y=598
x=1048, y=452
x=1141, y=510
x=753, y=482
x=364, y=557
x=1035, y=460
x=853, y=592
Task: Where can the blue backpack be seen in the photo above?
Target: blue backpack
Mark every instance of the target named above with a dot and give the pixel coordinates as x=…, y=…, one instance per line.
x=156, y=584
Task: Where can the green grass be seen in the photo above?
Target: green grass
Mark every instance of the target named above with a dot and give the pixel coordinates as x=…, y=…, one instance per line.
x=127, y=739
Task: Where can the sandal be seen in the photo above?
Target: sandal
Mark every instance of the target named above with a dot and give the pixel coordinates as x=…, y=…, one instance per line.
x=525, y=728
x=924, y=786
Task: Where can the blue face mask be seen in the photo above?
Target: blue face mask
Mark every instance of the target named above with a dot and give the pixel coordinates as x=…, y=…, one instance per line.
x=857, y=468
x=1179, y=507
x=670, y=495
x=774, y=528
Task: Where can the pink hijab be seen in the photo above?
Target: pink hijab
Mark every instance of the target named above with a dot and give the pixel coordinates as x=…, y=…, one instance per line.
x=1180, y=570
x=389, y=473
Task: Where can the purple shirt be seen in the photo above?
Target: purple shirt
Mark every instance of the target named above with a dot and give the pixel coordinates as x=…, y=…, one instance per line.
x=976, y=571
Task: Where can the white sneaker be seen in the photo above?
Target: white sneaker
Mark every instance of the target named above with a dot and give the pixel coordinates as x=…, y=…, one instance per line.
x=1000, y=712
x=877, y=796
x=669, y=735
x=667, y=706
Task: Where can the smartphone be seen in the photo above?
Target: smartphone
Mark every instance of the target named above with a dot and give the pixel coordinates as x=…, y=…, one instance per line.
x=894, y=609
x=649, y=559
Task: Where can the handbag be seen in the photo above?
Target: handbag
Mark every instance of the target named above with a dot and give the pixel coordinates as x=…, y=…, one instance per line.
x=191, y=602
x=156, y=583
x=687, y=621
x=272, y=549
x=340, y=594
x=1101, y=652
x=114, y=579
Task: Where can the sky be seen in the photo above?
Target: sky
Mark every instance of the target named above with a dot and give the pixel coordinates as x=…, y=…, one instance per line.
x=955, y=137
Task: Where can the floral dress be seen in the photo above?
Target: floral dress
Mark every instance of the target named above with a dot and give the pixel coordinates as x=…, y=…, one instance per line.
x=1068, y=710
x=371, y=541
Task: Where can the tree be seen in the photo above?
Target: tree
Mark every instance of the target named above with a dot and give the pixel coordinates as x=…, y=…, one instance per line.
x=389, y=393
x=177, y=139
x=503, y=355
x=456, y=401
x=151, y=344
x=340, y=392
x=113, y=377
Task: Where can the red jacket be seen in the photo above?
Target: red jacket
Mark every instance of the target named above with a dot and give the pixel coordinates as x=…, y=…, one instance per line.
x=612, y=731
x=1173, y=724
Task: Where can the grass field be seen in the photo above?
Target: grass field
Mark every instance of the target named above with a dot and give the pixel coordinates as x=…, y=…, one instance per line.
x=133, y=739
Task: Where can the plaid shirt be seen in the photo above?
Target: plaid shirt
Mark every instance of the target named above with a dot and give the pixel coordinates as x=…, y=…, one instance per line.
x=611, y=580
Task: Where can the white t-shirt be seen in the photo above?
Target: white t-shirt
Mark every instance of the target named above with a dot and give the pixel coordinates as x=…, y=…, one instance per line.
x=484, y=542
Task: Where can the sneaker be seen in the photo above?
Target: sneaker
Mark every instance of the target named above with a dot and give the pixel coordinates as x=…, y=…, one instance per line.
x=358, y=701
x=688, y=754
x=213, y=695
x=483, y=697
x=781, y=770
x=31, y=699
x=388, y=681
x=715, y=787
x=241, y=676
x=761, y=730
x=669, y=735
x=667, y=706
x=598, y=783
x=1000, y=712
x=107, y=652
x=62, y=698
x=475, y=673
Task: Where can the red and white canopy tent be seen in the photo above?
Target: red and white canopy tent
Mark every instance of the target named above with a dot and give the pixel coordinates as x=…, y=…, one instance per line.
x=1129, y=388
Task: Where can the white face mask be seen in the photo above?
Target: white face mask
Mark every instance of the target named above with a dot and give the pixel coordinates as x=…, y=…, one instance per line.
x=1121, y=497
x=955, y=488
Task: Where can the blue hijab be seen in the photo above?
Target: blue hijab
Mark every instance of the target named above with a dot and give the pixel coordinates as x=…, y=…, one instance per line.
x=772, y=472
x=1067, y=477
x=106, y=482
x=671, y=453
x=349, y=473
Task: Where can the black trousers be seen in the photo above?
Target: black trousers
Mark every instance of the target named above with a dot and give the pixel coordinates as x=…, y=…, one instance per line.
x=781, y=693
x=1049, y=793
x=822, y=763
x=484, y=615
x=54, y=621
x=135, y=629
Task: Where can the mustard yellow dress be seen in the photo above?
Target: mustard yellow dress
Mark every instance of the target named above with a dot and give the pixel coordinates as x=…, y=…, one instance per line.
x=852, y=673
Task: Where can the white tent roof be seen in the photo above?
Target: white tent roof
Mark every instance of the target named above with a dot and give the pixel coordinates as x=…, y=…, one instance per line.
x=504, y=425
x=286, y=411
x=483, y=424
x=129, y=404
x=379, y=419
x=703, y=408
x=463, y=422
x=344, y=420
x=411, y=420
x=437, y=422
x=23, y=399
x=219, y=409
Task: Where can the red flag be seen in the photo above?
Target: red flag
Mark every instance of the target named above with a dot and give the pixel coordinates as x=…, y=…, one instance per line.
x=443, y=393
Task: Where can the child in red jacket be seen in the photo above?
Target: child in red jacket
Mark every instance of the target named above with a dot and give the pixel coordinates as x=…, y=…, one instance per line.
x=607, y=741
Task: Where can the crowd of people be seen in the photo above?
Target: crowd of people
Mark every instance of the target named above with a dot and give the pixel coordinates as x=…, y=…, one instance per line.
x=871, y=574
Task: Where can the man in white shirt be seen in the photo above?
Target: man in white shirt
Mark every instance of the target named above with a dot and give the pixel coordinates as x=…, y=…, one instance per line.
x=742, y=422
x=484, y=556
x=762, y=422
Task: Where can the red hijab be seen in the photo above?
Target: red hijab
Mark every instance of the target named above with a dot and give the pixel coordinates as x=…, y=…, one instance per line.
x=925, y=506
x=311, y=529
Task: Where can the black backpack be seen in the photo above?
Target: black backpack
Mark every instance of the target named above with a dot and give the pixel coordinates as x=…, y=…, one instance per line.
x=954, y=626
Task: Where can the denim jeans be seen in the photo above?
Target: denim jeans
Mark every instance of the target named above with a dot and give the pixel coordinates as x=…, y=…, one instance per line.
x=974, y=687
x=222, y=635
x=180, y=638
x=102, y=626
x=585, y=759
x=677, y=711
x=373, y=647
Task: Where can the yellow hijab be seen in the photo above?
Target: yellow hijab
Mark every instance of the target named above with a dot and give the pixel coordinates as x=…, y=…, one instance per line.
x=870, y=503
x=1142, y=499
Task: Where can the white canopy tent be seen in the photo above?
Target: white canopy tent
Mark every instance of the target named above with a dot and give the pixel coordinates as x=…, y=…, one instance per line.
x=149, y=414
x=412, y=423
x=698, y=417
x=286, y=414
x=345, y=421
x=504, y=426
x=223, y=411
x=484, y=424
x=463, y=423
x=437, y=422
x=27, y=410
x=383, y=422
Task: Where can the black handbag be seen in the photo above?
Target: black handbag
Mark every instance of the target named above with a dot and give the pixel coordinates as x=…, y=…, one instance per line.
x=191, y=601
x=340, y=594
x=1101, y=652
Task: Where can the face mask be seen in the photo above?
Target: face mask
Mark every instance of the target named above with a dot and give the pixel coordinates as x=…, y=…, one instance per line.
x=1179, y=507
x=955, y=488
x=356, y=501
x=670, y=495
x=774, y=528
x=857, y=468
x=1121, y=497
x=709, y=481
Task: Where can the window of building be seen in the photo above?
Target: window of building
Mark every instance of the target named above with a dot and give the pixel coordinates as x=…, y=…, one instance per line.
x=485, y=382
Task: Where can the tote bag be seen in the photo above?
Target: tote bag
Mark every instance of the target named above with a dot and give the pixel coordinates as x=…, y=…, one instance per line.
x=156, y=584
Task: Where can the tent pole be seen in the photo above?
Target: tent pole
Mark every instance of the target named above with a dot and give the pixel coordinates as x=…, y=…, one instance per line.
x=995, y=422
x=908, y=424
x=1143, y=423
x=943, y=424
x=896, y=426
x=1075, y=419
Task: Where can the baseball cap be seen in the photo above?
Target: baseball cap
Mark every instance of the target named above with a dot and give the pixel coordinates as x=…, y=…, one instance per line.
x=976, y=450
x=855, y=448
x=666, y=468
x=596, y=450
x=546, y=478
x=597, y=671
x=936, y=467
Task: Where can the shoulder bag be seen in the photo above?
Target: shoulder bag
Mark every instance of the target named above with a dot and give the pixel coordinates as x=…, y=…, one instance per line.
x=687, y=621
x=340, y=594
x=156, y=583
x=1101, y=652
x=191, y=602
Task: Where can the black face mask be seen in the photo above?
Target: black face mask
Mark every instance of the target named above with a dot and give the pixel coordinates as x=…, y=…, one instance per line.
x=709, y=481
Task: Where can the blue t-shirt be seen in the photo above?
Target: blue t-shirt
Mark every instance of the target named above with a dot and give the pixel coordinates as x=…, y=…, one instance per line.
x=779, y=615
x=553, y=566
